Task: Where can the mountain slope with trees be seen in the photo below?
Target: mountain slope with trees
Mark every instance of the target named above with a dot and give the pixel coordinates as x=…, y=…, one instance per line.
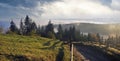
x=104, y=29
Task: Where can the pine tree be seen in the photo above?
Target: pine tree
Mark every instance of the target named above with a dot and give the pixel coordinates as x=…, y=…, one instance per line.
x=13, y=27
x=38, y=31
x=50, y=30
x=28, y=23
x=74, y=35
x=98, y=37
x=60, y=32
x=89, y=37
x=21, y=28
x=50, y=27
x=42, y=31
x=66, y=35
x=33, y=28
x=70, y=34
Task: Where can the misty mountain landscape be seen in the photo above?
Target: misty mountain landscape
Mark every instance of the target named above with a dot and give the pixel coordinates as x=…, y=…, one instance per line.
x=104, y=29
x=59, y=30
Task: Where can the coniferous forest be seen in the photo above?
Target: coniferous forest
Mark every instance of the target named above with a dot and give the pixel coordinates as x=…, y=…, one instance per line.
x=28, y=28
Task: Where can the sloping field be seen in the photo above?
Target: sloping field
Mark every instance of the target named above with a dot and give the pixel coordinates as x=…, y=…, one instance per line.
x=32, y=48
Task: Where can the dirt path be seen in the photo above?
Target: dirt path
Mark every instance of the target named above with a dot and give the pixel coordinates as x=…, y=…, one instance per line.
x=93, y=54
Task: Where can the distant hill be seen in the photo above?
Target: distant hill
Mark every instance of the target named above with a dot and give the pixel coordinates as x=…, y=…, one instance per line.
x=103, y=29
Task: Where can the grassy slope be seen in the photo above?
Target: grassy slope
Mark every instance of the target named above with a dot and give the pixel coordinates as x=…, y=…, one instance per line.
x=31, y=48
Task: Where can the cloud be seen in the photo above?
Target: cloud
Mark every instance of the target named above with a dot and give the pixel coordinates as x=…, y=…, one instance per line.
x=25, y=3
x=71, y=9
x=61, y=10
x=115, y=4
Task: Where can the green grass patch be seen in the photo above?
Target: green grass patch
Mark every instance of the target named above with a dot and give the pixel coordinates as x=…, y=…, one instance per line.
x=31, y=48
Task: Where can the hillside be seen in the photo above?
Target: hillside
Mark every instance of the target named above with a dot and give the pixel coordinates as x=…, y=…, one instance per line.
x=31, y=48
x=103, y=29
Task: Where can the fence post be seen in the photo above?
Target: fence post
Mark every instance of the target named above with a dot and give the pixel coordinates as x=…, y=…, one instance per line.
x=71, y=52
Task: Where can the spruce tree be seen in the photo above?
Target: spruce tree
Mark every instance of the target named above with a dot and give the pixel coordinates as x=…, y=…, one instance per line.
x=21, y=28
x=28, y=23
x=50, y=30
x=33, y=28
x=13, y=27
x=60, y=32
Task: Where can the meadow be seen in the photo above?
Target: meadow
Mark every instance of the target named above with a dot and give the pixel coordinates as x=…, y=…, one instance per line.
x=32, y=48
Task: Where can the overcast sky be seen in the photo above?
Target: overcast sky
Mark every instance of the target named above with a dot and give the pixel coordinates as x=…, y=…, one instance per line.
x=61, y=11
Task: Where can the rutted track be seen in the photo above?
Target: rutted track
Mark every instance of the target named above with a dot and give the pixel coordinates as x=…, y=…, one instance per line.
x=93, y=54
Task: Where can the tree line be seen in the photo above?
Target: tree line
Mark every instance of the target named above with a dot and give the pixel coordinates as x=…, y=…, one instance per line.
x=113, y=42
x=29, y=27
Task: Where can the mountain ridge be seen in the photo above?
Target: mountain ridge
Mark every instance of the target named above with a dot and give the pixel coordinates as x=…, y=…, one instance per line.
x=104, y=29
